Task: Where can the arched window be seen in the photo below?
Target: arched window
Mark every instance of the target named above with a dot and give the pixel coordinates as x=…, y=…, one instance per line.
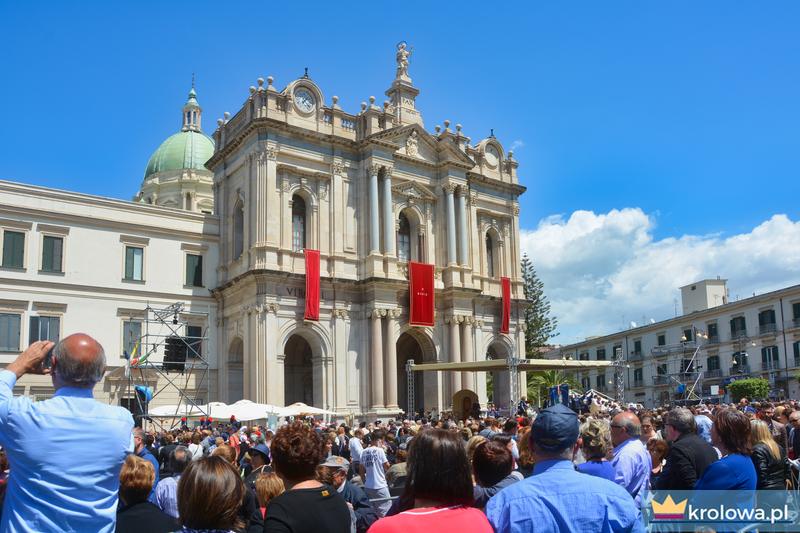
x=238, y=230
x=298, y=223
x=404, y=239
x=489, y=256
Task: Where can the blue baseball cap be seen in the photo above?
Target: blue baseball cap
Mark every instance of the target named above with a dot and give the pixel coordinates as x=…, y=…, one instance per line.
x=555, y=428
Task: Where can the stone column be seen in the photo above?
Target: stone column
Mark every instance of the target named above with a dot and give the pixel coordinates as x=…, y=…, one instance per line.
x=451, y=224
x=388, y=219
x=468, y=355
x=462, y=226
x=377, y=359
x=455, y=357
x=374, y=212
x=390, y=360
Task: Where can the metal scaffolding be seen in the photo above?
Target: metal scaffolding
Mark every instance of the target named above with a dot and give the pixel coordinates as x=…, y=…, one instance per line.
x=146, y=366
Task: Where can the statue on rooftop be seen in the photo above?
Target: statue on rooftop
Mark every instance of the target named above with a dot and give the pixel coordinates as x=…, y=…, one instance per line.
x=403, y=53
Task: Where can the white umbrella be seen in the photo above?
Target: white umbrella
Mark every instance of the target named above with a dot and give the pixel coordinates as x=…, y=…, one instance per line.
x=174, y=410
x=299, y=408
x=218, y=410
x=247, y=410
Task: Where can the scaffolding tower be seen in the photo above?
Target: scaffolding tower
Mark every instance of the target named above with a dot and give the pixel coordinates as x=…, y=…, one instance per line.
x=167, y=358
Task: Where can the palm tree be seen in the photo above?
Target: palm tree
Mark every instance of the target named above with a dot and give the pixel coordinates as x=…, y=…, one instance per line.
x=540, y=382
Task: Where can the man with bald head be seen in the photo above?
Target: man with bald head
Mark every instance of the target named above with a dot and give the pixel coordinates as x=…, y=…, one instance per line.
x=66, y=452
x=632, y=463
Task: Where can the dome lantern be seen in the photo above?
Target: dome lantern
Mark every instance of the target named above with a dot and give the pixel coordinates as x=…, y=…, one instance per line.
x=192, y=111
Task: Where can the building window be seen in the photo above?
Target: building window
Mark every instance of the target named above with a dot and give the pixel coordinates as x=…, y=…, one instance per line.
x=585, y=384
x=194, y=341
x=766, y=321
x=601, y=354
x=298, y=224
x=52, y=253
x=687, y=366
x=13, y=249
x=238, y=230
x=661, y=369
x=740, y=363
x=769, y=358
x=687, y=335
x=638, y=376
x=134, y=263
x=490, y=271
x=796, y=311
x=637, y=346
x=600, y=382
x=44, y=328
x=584, y=356
x=9, y=332
x=712, y=363
x=796, y=347
x=404, y=239
x=713, y=332
x=662, y=339
x=131, y=336
x=194, y=270
x=738, y=327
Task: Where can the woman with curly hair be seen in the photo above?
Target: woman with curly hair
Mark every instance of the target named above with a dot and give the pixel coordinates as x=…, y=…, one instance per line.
x=307, y=506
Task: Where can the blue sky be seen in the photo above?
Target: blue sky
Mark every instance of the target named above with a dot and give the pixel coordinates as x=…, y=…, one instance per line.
x=686, y=111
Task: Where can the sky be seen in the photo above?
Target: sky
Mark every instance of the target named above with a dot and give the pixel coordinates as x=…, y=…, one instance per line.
x=659, y=142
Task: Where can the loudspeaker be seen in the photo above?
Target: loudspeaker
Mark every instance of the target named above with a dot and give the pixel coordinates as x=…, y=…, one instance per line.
x=174, y=354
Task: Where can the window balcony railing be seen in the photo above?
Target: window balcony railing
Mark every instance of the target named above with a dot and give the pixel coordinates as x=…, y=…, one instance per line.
x=797, y=361
x=660, y=380
x=681, y=347
x=638, y=382
x=740, y=370
x=714, y=373
x=738, y=334
x=796, y=322
x=766, y=329
x=712, y=339
x=770, y=365
x=635, y=356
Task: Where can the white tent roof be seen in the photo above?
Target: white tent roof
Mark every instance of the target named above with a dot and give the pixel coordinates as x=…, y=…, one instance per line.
x=299, y=408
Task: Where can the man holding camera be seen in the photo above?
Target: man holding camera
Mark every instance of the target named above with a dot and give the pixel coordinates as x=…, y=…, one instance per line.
x=66, y=452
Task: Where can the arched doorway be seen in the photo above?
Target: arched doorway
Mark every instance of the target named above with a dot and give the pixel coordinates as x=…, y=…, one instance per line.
x=498, y=382
x=298, y=372
x=236, y=371
x=410, y=347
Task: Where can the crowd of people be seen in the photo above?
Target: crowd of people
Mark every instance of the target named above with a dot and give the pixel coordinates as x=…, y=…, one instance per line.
x=71, y=463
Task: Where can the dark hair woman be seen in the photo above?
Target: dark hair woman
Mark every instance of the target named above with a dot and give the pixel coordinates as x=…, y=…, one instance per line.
x=438, y=488
x=492, y=466
x=307, y=505
x=731, y=435
x=210, y=494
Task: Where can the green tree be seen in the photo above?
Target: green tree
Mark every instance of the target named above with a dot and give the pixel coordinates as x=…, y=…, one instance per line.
x=540, y=382
x=539, y=325
x=754, y=388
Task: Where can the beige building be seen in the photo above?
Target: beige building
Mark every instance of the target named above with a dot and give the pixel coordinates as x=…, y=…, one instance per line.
x=716, y=342
x=371, y=191
x=220, y=225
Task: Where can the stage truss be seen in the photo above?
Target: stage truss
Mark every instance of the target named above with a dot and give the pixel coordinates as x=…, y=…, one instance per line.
x=147, y=365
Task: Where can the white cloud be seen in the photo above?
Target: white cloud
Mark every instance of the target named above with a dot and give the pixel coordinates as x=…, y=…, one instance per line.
x=602, y=271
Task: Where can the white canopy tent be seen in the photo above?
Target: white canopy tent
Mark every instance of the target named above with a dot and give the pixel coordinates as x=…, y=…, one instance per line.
x=299, y=408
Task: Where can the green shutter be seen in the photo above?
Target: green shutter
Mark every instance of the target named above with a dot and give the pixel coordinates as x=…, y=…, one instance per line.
x=13, y=249
x=198, y=271
x=9, y=332
x=51, y=253
x=128, y=262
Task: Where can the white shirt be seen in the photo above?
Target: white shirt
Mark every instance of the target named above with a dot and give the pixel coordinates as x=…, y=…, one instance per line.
x=373, y=459
x=356, y=449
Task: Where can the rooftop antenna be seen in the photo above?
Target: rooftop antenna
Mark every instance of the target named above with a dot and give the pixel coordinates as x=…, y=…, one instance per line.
x=192, y=80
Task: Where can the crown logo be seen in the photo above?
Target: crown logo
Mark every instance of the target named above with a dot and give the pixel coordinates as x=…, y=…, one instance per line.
x=668, y=510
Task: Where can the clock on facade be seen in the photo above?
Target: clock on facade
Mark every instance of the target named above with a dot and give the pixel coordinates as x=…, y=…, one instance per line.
x=304, y=100
x=491, y=155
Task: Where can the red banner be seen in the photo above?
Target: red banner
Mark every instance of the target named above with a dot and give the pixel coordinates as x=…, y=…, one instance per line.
x=506, y=285
x=312, y=284
x=421, y=293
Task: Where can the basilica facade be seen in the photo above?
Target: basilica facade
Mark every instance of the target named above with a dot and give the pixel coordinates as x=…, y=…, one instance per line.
x=371, y=190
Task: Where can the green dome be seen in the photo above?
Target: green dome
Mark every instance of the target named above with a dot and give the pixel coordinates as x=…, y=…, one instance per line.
x=184, y=150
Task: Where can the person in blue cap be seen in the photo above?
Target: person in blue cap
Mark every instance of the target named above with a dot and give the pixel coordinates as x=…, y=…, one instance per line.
x=557, y=498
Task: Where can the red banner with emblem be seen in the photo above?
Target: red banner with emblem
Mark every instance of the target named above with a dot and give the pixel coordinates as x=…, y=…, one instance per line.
x=421, y=293
x=506, y=286
x=312, y=284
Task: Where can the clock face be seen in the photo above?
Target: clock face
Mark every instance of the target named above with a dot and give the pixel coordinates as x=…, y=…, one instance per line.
x=304, y=100
x=492, y=157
